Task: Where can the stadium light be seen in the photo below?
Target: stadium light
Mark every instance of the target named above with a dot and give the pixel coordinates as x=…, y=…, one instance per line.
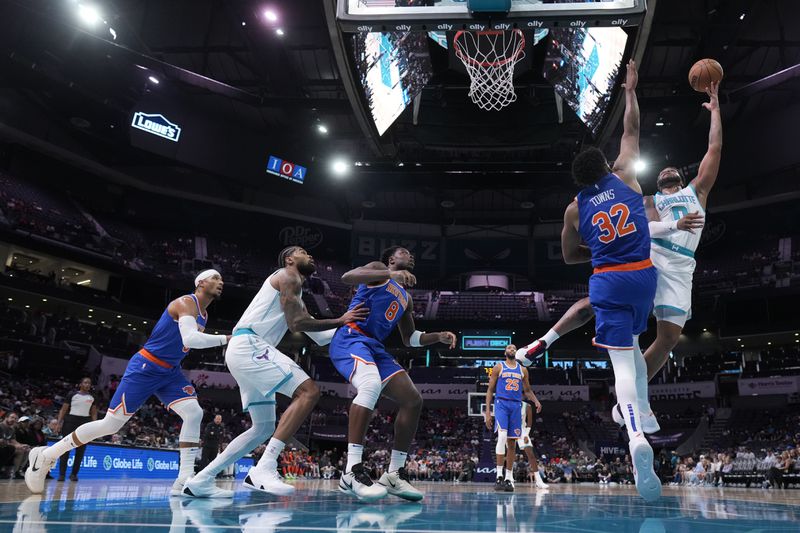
x=270, y=15
x=280, y=32
x=639, y=165
x=322, y=128
x=153, y=79
x=88, y=14
x=742, y=16
x=340, y=167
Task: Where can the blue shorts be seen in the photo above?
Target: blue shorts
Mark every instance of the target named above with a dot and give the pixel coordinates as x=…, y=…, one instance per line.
x=508, y=416
x=622, y=302
x=143, y=379
x=349, y=347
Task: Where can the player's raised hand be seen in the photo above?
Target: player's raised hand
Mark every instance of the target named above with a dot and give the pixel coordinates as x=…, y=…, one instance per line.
x=448, y=337
x=356, y=314
x=404, y=278
x=713, y=95
x=632, y=77
x=691, y=222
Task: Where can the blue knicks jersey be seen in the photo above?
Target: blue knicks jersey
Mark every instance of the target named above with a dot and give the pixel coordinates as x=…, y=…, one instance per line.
x=509, y=383
x=613, y=223
x=386, y=304
x=165, y=341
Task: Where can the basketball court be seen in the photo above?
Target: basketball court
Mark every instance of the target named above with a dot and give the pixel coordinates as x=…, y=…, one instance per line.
x=318, y=506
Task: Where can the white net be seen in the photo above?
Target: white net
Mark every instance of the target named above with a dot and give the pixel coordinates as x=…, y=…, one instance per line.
x=490, y=57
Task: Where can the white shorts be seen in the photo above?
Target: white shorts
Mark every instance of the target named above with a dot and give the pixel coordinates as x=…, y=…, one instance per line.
x=673, y=301
x=261, y=370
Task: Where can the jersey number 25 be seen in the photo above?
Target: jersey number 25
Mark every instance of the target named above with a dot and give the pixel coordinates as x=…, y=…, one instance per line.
x=610, y=231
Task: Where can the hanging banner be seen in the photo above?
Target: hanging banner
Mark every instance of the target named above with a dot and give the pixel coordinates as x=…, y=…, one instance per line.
x=771, y=385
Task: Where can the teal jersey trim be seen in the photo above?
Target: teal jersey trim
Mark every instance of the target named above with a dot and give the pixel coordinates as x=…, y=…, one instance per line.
x=664, y=243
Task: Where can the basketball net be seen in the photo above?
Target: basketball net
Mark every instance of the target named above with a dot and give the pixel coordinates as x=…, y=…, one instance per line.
x=490, y=57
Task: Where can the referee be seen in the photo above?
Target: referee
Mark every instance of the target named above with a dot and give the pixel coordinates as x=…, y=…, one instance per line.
x=80, y=408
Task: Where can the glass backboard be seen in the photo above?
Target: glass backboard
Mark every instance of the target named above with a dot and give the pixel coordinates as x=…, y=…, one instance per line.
x=453, y=15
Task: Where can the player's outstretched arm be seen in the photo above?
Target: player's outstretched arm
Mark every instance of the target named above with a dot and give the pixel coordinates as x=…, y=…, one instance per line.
x=297, y=317
x=377, y=272
x=184, y=310
x=414, y=339
x=629, y=145
x=487, y=416
x=571, y=244
x=709, y=166
x=528, y=391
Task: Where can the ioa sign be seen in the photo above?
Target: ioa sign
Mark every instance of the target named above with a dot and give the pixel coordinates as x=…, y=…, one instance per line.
x=285, y=169
x=157, y=125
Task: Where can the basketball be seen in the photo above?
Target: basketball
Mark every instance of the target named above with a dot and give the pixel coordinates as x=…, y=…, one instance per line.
x=703, y=73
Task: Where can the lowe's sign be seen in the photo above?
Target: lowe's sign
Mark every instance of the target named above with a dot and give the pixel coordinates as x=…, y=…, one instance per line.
x=286, y=170
x=157, y=125
x=108, y=461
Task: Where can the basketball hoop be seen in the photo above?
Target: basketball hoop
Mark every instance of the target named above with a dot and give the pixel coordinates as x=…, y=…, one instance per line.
x=490, y=57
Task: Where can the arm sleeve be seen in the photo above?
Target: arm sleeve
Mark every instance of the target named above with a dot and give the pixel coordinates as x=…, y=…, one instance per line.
x=663, y=229
x=192, y=338
x=323, y=338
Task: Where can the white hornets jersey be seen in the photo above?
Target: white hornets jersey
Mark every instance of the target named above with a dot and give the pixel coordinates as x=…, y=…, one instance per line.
x=264, y=316
x=677, y=249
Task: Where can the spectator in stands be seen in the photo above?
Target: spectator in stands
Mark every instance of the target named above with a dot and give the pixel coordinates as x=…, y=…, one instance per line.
x=13, y=453
x=51, y=431
x=212, y=436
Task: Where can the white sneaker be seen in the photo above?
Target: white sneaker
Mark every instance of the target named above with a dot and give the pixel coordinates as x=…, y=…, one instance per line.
x=268, y=481
x=397, y=483
x=539, y=483
x=177, y=486
x=37, y=470
x=528, y=354
x=647, y=482
x=203, y=487
x=358, y=484
x=649, y=421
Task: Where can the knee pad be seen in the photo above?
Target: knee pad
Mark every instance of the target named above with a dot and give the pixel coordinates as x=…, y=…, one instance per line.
x=367, y=381
x=192, y=415
x=502, y=439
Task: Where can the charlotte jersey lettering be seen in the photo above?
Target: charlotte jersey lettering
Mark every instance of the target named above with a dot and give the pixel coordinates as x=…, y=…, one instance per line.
x=613, y=222
x=386, y=304
x=678, y=249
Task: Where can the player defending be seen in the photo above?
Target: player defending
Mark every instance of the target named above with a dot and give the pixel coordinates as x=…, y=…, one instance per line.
x=153, y=370
x=526, y=444
x=261, y=371
x=609, y=216
x=358, y=354
x=510, y=382
x=676, y=215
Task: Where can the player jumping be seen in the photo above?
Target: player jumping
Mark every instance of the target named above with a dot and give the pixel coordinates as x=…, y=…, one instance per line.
x=358, y=354
x=153, y=370
x=676, y=215
x=609, y=216
x=511, y=382
x=261, y=370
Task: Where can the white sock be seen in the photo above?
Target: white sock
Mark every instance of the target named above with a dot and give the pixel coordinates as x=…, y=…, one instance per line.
x=641, y=378
x=625, y=385
x=500, y=469
x=188, y=456
x=273, y=450
x=354, y=452
x=537, y=477
x=550, y=337
x=59, y=448
x=509, y=475
x=398, y=460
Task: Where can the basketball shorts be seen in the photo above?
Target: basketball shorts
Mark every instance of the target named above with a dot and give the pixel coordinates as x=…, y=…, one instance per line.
x=673, y=300
x=261, y=370
x=622, y=301
x=144, y=378
x=350, y=348
x=508, y=417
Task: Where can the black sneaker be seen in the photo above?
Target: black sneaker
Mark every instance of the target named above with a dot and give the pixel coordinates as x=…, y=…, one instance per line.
x=499, y=486
x=73, y=477
x=508, y=486
x=61, y=478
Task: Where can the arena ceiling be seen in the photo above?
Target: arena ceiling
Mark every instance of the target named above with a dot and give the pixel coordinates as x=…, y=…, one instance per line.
x=454, y=164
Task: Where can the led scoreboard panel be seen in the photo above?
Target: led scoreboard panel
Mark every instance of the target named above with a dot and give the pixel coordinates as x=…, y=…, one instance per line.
x=485, y=342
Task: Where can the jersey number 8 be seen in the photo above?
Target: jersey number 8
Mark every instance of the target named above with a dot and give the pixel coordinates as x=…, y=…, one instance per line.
x=608, y=231
x=391, y=313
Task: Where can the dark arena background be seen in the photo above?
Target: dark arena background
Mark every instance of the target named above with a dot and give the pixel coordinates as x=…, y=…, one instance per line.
x=145, y=142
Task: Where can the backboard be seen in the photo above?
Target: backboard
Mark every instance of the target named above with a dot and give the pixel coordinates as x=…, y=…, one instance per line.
x=476, y=404
x=452, y=15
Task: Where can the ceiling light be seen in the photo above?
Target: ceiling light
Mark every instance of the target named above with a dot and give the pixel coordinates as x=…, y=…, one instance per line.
x=11, y=299
x=639, y=165
x=89, y=14
x=270, y=15
x=280, y=32
x=659, y=123
x=153, y=79
x=84, y=282
x=322, y=128
x=44, y=299
x=340, y=167
x=119, y=316
x=113, y=33
x=742, y=16
x=244, y=23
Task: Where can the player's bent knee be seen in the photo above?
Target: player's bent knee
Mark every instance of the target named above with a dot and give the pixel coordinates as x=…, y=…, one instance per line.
x=309, y=391
x=367, y=382
x=192, y=415
x=502, y=439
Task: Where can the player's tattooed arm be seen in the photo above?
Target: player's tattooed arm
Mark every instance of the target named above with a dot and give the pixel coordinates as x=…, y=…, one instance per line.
x=528, y=391
x=297, y=317
x=407, y=329
x=487, y=415
x=709, y=166
x=629, y=145
x=572, y=247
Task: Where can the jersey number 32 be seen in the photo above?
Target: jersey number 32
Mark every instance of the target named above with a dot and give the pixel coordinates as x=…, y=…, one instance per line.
x=610, y=231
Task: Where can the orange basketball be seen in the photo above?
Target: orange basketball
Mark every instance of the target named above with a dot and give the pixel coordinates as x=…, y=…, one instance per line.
x=703, y=73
